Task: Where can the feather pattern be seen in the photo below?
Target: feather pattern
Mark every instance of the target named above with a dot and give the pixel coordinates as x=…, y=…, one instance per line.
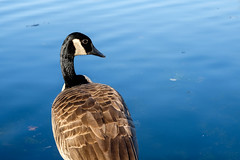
x=91, y=122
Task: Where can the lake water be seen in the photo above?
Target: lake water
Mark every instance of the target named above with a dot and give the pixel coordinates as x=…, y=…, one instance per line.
x=176, y=63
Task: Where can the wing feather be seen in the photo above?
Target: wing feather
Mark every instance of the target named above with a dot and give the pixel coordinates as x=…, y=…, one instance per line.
x=91, y=121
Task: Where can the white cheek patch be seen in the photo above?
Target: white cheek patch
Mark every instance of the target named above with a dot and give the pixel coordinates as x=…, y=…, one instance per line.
x=79, y=48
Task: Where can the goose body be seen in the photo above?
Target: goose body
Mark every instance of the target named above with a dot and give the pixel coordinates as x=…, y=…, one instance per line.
x=90, y=121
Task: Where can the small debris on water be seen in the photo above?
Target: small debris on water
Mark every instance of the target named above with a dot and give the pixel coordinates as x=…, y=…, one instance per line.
x=189, y=92
x=204, y=135
x=48, y=147
x=33, y=25
x=173, y=79
x=183, y=52
x=32, y=128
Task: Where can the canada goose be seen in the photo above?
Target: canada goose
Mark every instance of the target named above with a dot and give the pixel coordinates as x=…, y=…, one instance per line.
x=90, y=121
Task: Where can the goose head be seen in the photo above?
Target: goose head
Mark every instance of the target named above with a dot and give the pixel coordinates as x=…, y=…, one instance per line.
x=79, y=44
x=75, y=44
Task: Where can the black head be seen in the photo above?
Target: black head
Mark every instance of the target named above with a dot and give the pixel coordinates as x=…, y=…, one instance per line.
x=79, y=44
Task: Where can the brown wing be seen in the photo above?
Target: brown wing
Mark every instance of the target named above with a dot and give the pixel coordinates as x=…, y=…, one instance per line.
x=92, y=122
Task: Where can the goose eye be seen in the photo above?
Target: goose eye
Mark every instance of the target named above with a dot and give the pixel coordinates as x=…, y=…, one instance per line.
x=84, y=41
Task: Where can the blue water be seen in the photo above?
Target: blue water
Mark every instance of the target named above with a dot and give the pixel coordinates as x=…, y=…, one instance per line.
x=176, y=63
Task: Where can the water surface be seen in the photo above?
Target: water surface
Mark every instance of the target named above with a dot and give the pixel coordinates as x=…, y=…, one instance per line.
x=175, y=63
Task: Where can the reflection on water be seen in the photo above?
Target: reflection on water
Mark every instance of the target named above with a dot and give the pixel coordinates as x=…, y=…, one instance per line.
x=175, y=63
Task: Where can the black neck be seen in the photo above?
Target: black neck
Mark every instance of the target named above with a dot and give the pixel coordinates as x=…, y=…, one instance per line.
x=67, y=66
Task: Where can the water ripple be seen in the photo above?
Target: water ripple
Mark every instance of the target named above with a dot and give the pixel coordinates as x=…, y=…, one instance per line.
x=176, y=63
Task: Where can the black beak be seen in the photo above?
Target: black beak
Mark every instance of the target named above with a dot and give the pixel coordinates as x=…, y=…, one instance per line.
x=96, y=52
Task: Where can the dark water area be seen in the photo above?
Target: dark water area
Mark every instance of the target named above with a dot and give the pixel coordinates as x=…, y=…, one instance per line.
x=176, y=63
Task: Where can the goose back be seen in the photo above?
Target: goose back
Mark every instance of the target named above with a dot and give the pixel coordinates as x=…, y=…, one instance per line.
x=91, y=122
